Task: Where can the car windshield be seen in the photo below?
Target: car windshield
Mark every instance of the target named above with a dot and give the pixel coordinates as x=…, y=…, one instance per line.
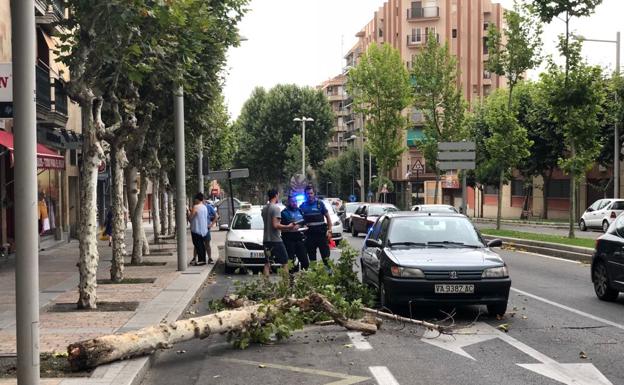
x=351, y=208
x=245, y=221
x=380, y=210
x=433, y=231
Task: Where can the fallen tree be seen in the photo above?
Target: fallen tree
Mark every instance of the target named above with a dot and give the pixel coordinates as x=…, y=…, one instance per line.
x=102, y=350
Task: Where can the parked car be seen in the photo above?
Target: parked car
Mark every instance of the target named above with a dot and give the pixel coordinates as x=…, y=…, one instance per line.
x=433, y=258
x=243, y=242
x=366, y=215
x=601, y=214
x=336, y=203
x=336, y=223
x=435, y=208
x=345, y=217
x=607, y=268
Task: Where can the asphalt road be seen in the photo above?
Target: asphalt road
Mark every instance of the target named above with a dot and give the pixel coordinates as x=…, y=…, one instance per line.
x=558, y=332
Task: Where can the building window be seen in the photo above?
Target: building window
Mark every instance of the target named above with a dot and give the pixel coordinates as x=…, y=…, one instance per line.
x=485, y=45
x=454, y=33
x=486, y=26
x=517, y=188
x=559, y=189
x=380, y=32
x=490, y=190
x=73, y=158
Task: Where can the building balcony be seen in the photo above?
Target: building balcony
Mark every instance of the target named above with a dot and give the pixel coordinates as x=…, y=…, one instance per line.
x=419, y=39
x=44, y=88
x=423, y=13
x=49, y=11
x=50, y=111
x=335, y=97
x=416, y=117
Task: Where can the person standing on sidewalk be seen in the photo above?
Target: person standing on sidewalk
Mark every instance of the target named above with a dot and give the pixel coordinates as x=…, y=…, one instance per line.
x=212, y=219
x=198, y=217
x=319, y=225
x=274, y=249
x=294, y=240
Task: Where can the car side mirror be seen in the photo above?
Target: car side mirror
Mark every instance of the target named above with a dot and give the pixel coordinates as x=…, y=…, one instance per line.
x=225, y=227
x=495, y=243
x=373, y=243
x=589, y=209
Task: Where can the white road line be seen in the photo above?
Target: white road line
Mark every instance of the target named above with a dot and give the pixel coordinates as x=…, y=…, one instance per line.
x=564, y=307
x=383, y=375
x=359, y=341
x=549, y=257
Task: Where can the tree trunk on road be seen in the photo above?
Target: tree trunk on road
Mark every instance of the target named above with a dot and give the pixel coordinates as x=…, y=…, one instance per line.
x=118, y=162
x=102, y=350
x=156, y=209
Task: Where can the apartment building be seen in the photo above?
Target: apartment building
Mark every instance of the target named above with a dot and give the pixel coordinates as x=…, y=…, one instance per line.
x=335, y=90
x=406, y=25
x=58, y=128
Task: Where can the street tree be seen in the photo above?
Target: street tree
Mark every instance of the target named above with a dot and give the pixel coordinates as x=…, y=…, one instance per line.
x=511, y=54
x=380, y=88
x=292, y=164
x=437, y=95
x=266, y=126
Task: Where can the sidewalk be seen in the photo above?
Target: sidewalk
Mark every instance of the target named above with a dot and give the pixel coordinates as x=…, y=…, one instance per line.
x=164, y=299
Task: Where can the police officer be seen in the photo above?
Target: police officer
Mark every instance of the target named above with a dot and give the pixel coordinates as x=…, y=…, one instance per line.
x=294, y=239
x=319, y=225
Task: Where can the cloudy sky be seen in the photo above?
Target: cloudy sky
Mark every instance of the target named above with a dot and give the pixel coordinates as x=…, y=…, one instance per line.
x=304, y=41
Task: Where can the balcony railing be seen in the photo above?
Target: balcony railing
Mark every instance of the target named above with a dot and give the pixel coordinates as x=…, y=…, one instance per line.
x=417, y=116
x=44, y=88
x=419, y=39
x=60, y=98
x=423, y=13
x=487, y=74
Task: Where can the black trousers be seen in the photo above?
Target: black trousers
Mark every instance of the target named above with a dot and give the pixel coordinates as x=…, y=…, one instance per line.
x=296, y=248
x=198, y=242
x=317, y=241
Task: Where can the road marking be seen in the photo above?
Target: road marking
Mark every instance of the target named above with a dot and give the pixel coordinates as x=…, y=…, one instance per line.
x=359, y=341
x=564, y=307
x=550, y=257
x=569, y=374
x=345, y=379
x=383, y=375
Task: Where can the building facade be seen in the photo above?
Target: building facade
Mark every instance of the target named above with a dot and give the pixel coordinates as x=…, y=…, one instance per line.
x=58, y=130
x=335, y=91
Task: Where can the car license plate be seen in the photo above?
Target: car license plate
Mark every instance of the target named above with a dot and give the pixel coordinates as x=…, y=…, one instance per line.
x=454, y=289
x=257, y=254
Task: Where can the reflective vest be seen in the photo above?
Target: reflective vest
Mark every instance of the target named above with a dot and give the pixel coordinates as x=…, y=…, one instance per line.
x=314, y=216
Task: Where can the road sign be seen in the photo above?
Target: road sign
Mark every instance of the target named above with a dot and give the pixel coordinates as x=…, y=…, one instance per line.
x=457, y=146
x=456, y=165
x=235, y=173
x=352, y=198
x=418, y=166
x=457, y=156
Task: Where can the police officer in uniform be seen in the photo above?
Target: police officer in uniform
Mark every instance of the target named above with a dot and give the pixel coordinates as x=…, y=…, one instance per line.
x=319, y=225
x=294, y=239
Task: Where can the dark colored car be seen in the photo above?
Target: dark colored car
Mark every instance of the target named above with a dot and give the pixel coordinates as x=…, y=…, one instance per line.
x=366, y=215
x=345, y=216
x=433, y=258
x=607, y=268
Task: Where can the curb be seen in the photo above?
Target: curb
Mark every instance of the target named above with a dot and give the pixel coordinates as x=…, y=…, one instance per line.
x=574, y=253
x=179, y=295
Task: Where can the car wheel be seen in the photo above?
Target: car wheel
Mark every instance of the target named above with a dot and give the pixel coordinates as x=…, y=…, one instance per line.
x=229, y=269
x=582, y=225
x=384, y=298
x=353, y=232
x=497, y=309
x=603, y=289
x=605, y=226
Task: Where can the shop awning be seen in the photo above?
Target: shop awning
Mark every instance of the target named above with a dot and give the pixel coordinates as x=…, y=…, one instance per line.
x=46, y=158
x=414, y=136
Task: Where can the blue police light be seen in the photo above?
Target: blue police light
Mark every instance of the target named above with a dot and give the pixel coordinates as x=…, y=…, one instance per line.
x=299, y=198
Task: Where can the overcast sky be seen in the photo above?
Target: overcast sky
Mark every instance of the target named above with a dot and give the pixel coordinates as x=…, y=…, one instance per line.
x=304, y=41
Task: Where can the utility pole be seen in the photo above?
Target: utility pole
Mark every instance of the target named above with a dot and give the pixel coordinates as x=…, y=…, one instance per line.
x=616, y=129
x=362, y=192
x=26, y=238
x=178, y=114
x=303, y=121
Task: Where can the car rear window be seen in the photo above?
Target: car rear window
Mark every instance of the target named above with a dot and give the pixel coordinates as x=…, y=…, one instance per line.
x=618, y=205
x=381, y=210
x=244, y=221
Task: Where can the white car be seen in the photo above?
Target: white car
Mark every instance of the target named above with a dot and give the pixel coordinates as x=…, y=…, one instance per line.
x=336, y=222
x=243, y=242
x=434, y=208
x=601, y=214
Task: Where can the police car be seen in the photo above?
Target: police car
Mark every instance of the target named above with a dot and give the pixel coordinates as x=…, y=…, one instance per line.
x=243, y=242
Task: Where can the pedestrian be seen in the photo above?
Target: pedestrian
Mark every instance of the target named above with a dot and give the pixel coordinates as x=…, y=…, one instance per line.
x=198, y=216
x=212, y=219
x=274, y=249
x=108, y=226
x=294, y=240
x=318, y=222
x=44, y=219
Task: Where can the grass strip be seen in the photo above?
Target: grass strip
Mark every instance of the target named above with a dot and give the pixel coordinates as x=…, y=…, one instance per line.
x=582, y=242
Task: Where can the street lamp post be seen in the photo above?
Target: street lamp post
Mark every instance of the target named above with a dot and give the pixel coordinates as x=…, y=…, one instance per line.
x=362, y=190
x=303, y=121
x=616, y=129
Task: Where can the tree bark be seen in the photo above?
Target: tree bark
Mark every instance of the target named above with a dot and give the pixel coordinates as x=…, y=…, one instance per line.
x=546, y=179
x=140, y=205
x=437, y=189
x=118, y=162
x=131, y=176
x=164, y=215
x=92, y=155
x=102, y=350
x=499, y=208
x=171, y=212
x=156, y=209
